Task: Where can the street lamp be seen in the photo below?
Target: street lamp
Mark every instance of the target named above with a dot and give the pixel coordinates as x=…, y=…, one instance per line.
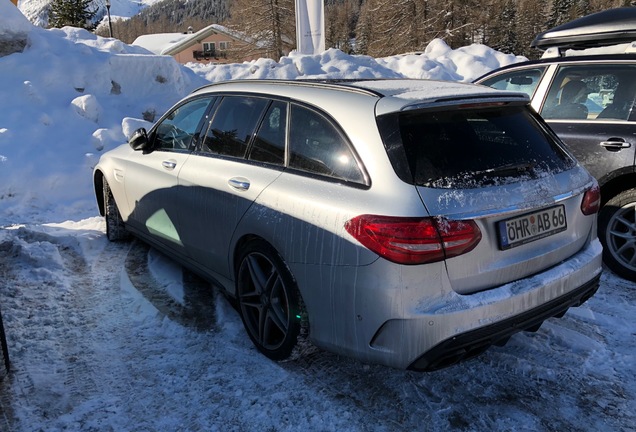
x=110, y=24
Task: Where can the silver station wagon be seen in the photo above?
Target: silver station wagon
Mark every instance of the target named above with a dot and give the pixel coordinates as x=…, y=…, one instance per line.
x=402, y=222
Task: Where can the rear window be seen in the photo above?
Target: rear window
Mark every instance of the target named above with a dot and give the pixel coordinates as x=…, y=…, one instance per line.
x=470, y=147
x=525, y=80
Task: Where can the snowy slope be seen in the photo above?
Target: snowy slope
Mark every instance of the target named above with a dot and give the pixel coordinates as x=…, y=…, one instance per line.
x=37, y=10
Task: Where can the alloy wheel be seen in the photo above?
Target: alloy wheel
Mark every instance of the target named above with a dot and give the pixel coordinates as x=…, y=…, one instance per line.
x=621, y=236
x=264, y=302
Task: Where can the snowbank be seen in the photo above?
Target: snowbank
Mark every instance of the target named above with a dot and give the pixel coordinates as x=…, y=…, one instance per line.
x=14, y=28
x=12, y=21
x=438, y=62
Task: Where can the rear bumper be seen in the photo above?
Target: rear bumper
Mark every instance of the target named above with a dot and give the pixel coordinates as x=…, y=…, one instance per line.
x=436, y=334
x=472, y=343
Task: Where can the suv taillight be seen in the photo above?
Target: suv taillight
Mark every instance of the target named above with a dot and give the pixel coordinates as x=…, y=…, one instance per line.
x=414, y=240
x=591, y=201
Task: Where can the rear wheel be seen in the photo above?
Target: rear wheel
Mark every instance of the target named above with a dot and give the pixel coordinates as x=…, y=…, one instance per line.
x=115, y=229
x=269, y=301
x=617, y=231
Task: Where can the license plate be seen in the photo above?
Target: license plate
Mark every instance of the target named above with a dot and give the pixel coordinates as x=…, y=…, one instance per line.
x=531, y=226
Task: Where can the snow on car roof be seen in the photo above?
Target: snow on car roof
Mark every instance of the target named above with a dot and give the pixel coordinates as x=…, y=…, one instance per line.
x=425, y=90
x=411, y=94
x=396, y=94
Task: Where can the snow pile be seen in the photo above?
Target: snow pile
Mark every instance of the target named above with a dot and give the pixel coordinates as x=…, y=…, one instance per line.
x=438, y=62
x=13, y=22
x=67, y=84
x=13, y=29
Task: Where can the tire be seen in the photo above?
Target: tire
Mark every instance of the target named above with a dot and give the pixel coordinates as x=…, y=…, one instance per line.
x=115, y=228
x=617, y=232
x=269, y=302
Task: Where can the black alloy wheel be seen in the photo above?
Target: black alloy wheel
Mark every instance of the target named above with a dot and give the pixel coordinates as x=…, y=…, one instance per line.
x=269, y=301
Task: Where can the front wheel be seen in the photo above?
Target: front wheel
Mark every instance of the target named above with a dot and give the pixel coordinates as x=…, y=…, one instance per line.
x=617, y=232
x=115, y=229
x=269, y=301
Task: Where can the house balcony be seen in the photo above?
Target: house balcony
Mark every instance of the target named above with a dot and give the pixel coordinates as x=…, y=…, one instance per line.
x=209, y=55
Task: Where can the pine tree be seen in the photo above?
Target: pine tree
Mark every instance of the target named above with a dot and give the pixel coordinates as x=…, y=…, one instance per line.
x=363, y=30
x=562, y=11
x=341, y=19
x=74, y=13
x=270, y=24
x=505, y=28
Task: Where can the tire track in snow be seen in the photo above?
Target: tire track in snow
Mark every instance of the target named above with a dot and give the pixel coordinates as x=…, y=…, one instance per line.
x=88, y=323
x=66, y=312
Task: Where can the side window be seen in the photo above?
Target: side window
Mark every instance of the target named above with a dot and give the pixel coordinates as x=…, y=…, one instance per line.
x=525, y=81
x=269, y=144
x=178, y=128
x=233, y=124
x=591, y=92
x=316, y=146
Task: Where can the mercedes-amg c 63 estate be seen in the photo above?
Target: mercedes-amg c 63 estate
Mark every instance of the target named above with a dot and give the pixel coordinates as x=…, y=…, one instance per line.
x=402, y=222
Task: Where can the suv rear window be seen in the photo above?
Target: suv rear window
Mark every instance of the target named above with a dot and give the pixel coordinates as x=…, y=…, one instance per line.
x=525, y=80
x=470, y=147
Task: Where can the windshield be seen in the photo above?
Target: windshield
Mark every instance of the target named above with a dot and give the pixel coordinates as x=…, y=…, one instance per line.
x=470, y=147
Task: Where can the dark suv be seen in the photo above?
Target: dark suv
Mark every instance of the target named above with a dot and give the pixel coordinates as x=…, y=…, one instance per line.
x=585, y=87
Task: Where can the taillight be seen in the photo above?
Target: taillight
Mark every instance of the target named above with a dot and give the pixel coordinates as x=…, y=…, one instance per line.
x=414, y=240
x=591, y=201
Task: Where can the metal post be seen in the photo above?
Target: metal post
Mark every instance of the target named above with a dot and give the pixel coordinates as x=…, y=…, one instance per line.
x=3, y=342
x=110, y=24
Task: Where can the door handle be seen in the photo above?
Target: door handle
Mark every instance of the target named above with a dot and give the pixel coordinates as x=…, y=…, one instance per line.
x=615, y=144
x=240, y=183
x=169, y=164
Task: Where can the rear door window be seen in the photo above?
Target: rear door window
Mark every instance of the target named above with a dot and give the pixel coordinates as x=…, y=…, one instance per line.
x=525, y=81
x=269, y=143
x=591, y=92
x=470, y=147
x=233, y=125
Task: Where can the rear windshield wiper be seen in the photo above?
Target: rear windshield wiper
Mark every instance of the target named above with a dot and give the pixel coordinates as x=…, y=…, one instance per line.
x=471, y=178
x=506, y=170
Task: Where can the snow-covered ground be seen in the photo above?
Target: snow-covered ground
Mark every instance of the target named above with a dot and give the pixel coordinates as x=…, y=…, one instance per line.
x=115, y=337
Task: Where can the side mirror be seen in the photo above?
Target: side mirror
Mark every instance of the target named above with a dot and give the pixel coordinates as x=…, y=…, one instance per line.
x=139, y=140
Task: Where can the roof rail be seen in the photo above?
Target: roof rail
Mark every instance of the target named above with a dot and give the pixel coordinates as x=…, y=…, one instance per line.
x=336, y=83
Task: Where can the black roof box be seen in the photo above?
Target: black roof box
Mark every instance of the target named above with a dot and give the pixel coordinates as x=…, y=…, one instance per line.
x=610, y=27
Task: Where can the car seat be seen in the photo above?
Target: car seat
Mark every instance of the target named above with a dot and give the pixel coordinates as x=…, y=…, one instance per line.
x=621, y=106
x=570, y=106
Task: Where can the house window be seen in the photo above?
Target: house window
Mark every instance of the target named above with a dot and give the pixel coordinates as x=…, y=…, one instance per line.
x=223, y=46
x=209, y=47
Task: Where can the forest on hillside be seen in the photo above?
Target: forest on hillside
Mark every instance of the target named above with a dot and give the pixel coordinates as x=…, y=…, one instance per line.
x=374, y=27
